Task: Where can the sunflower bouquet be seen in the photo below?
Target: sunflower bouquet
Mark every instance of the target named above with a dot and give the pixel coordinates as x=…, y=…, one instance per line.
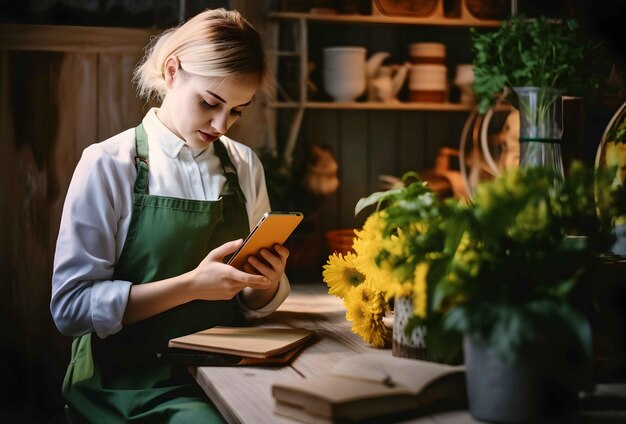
x=365, y=304
x=402, y=250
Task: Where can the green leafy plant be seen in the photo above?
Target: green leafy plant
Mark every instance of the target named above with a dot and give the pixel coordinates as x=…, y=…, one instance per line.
x=415, y=219
x=527, y=243
x=507, y=267
x=531, y=53
x=405, y=249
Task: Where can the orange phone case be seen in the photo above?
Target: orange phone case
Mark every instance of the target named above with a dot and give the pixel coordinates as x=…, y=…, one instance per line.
x=273, y=228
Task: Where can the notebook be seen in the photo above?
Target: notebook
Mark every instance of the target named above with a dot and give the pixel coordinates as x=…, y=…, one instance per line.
x=249, y=342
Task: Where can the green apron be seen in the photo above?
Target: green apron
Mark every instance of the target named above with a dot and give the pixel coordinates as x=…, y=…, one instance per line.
x=119, y=379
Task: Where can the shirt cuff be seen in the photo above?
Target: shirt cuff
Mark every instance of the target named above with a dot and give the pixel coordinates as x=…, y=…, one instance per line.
x=108, y=304
x=271, y=306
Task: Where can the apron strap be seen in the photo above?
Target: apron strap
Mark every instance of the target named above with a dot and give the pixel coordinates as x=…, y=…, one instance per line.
x=141, y=160
x=230, y=172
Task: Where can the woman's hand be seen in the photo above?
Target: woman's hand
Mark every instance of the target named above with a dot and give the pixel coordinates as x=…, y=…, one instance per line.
x=215, y=280
x=271, y=264
x=211, y=280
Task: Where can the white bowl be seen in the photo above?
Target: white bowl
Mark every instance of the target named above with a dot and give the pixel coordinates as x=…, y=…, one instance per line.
x=344, y=73
x=344, y=57
x=344, y=88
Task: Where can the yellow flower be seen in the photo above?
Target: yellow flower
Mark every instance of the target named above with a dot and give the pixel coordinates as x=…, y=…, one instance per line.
x=419, y=290
x=369, y=295
x=365, y=309
x=340, y=274
x=373, y=332
x=373, y=227
x=367, y=250
x=369, y=244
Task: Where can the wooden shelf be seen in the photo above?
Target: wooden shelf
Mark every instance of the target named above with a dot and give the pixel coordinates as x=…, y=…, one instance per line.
x=300, y=24
x=388, y=20
x=435, y=107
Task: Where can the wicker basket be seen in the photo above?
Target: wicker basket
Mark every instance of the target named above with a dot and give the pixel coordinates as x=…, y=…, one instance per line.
x=340, y=241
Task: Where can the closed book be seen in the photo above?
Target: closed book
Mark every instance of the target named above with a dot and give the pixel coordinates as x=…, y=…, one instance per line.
x=372, y=385
x=249, y=342
x=198, y=358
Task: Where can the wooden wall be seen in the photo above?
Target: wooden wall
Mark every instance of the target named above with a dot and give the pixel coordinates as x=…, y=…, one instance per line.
x=62, y=88
x=370, y=143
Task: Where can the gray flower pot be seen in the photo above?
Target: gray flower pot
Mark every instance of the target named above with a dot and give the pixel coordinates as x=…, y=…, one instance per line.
x=619, y=247
x=527, y=390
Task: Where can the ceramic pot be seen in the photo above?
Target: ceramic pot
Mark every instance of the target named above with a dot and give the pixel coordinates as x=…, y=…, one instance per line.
x=414, y=344
x=527, y=389
x=344, y=72
x=343, y=86
x=348, y=58
x=464, y=79
x=428, y=83
x=433, y=53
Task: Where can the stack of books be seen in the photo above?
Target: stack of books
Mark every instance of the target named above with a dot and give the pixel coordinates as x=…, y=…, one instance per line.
x=372, y=385
x=221, y=346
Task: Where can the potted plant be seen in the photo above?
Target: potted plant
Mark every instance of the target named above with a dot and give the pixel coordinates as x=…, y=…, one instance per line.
x=398, y=256
x=526, y=244
x=533, y=62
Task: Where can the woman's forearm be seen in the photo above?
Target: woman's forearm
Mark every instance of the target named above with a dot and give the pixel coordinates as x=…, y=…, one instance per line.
x=149, y=299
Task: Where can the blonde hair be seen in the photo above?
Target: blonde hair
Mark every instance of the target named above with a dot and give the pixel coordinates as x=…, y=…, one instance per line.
x=214, y=43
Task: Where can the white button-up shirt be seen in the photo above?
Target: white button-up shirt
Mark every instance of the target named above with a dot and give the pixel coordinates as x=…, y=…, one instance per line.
x=97, y=213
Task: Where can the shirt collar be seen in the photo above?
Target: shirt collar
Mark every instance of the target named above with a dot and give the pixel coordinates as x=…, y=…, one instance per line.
x=166, y=140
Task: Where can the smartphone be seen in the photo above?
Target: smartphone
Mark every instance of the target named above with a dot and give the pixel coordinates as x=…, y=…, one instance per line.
x=273, y=228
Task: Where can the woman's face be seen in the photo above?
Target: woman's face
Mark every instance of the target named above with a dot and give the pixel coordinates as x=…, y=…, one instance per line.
x=200, y=109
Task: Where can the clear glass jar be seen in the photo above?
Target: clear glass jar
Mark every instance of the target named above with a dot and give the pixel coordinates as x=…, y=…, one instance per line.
x=541, y=127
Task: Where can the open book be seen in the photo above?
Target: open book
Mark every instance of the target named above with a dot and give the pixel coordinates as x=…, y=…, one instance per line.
x=242, y=345
x=372, y=385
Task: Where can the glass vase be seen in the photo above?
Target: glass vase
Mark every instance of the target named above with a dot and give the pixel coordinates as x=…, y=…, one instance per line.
x=407, y=345
x=541, y=127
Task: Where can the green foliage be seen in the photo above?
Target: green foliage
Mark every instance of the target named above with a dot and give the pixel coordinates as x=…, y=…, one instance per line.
x=506, y=266
x=432, y=233
x=528, y=238
x=416, y=211
x=514, y=330
x=531, y=53
x=396, y=194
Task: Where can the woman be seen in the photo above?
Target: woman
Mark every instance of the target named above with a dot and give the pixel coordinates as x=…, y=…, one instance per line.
x=149, y=217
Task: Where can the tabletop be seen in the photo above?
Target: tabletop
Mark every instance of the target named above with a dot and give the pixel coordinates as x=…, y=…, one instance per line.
x=243, y=394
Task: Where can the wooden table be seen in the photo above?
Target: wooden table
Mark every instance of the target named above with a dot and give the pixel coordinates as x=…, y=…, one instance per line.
x=243, y=394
